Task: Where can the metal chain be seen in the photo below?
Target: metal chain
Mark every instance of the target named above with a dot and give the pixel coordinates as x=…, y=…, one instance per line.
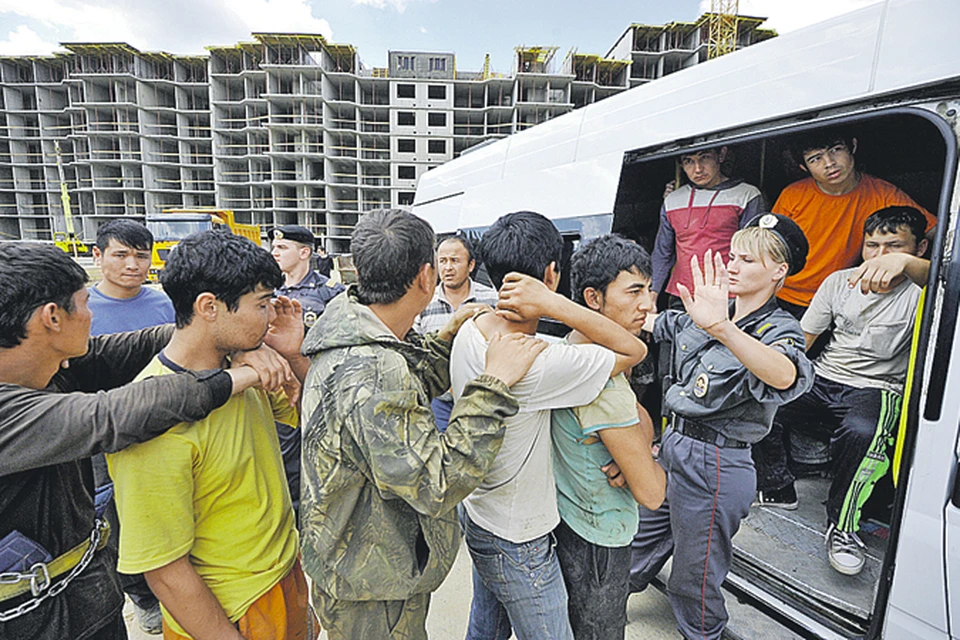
x=33, y=603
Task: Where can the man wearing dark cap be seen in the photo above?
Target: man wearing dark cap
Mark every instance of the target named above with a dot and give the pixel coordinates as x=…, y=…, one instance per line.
x=856, y=397
x=292, y=248
x=732, y=364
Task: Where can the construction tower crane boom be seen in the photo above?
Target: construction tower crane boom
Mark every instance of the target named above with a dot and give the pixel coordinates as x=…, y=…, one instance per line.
x=723, y=27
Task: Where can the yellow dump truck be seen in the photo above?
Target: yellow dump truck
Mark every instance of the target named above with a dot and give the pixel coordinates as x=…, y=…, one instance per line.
x=70, y=244
x=172, y=225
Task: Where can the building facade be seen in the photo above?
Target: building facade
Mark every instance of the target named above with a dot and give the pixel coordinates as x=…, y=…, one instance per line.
x=285, y=129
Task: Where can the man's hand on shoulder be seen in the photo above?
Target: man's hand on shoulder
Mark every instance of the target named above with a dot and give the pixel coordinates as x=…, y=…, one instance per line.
x=509, y=357
x=464, y=313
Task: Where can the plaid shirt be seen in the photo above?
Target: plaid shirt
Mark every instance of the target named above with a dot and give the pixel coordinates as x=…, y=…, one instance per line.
x=439, y=311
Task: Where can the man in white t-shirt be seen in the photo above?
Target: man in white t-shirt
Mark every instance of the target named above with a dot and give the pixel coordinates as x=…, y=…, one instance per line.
x=510, y=517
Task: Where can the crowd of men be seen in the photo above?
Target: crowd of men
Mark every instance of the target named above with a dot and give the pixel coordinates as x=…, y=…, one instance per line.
x=257, y=424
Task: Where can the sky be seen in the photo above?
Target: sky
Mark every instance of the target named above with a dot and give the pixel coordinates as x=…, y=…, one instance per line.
x=468, y=28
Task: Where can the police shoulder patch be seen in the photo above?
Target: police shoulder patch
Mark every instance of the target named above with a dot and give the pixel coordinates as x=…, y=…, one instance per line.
x=762, y=329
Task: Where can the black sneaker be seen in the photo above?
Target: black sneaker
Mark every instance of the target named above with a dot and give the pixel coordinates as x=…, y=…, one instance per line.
x=785, y=498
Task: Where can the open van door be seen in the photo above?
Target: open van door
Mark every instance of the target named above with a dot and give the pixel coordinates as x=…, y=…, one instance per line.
x=780, y=560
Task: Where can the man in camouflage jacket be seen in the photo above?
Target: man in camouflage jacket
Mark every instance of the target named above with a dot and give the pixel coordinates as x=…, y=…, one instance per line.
x=378, y=518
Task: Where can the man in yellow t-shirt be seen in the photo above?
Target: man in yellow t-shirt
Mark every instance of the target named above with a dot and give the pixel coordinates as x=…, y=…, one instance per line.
x=205, y=508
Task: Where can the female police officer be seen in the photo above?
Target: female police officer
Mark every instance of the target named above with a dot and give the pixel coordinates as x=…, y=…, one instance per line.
x=733, y=363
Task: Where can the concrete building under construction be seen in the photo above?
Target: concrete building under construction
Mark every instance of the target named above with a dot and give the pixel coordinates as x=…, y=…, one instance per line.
x=287, y=128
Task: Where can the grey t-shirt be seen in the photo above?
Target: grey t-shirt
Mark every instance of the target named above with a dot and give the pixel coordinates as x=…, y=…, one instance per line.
x=870, y=345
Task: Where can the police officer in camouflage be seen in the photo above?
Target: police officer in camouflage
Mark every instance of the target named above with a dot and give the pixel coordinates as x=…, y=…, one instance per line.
x=378, y=524
x=732, y=365
x=292, y=247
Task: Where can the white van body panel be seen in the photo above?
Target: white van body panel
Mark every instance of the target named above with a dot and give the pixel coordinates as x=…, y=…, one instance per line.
x=570, y=167
x=885, y=47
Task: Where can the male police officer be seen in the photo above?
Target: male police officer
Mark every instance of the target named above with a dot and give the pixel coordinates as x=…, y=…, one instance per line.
x=292, y=249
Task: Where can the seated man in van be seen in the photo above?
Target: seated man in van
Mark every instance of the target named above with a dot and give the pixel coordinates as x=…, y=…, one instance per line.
x=860, y=374
x=701, y=215
x=831, y=206
x=510, y=517
x=205, y=509
x=597, y=522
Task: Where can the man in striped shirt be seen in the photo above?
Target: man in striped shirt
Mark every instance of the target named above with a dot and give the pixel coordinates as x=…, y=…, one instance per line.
x=455, y=264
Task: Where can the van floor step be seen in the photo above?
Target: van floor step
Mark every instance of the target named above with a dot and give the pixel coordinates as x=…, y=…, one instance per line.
x=785, y=551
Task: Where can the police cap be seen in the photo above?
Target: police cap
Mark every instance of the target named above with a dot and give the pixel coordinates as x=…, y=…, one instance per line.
x=292, y=232
x=790, y=234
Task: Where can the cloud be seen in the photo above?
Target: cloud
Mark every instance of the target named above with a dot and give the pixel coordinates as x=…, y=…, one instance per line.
x=24, y=41
x=788, y=16
x=179, y=26
x=397, y=5
x=423, y=29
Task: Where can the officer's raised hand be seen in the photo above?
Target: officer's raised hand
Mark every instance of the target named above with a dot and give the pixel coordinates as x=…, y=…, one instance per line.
x=707, y=306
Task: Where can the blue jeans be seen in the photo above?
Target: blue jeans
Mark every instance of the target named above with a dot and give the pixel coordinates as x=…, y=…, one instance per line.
x=441, y=412
x=518, y=585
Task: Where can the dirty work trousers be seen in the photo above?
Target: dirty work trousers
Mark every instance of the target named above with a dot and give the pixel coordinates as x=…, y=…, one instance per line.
x=596, y=579
x=860, y=425
x=374, y=619
x=709, y=491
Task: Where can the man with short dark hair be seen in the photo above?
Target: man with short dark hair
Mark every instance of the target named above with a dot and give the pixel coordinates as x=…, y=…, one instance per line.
x=48, y=432
x=701, y=215
x=611, y=275
x=857, y=392
x=119, y=301
x=456, y=263
x=205, y=509
x=292, y=248
x=509, y=519
x=381, y=483
x=831, y=206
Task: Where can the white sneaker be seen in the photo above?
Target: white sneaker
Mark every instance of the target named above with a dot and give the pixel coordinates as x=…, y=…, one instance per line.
x=845, y=551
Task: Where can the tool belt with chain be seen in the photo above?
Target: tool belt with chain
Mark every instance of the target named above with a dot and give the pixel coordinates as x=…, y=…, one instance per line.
x=39, y=579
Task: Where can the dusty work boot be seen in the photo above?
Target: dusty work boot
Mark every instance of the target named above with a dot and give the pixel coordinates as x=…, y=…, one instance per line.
x=785, y=498
x=845, y=551
x=150, y=620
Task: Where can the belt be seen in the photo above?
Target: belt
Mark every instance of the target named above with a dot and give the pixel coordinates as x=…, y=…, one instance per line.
x=38, y=580
x=703, y=433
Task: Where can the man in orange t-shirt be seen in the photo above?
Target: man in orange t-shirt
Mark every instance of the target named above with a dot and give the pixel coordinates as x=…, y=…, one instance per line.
x=831, y=206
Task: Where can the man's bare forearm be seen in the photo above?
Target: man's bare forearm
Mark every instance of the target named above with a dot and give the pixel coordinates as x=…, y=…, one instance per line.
x=190, y=601
x=599, y=330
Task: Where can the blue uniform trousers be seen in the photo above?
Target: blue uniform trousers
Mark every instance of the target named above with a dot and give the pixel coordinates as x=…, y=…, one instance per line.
x=709, y=491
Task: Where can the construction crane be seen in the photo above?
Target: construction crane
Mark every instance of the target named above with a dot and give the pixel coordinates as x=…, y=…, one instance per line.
x=67, y=240
x=723, y=27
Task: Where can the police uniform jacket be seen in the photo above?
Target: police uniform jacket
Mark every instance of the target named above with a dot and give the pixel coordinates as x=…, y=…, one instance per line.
x=709, y=385
x=313, y=292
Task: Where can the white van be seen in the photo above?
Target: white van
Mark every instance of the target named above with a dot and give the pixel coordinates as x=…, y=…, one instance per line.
x=891, y=74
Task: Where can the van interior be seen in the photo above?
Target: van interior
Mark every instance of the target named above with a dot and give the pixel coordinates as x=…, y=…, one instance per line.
x=783, y=552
